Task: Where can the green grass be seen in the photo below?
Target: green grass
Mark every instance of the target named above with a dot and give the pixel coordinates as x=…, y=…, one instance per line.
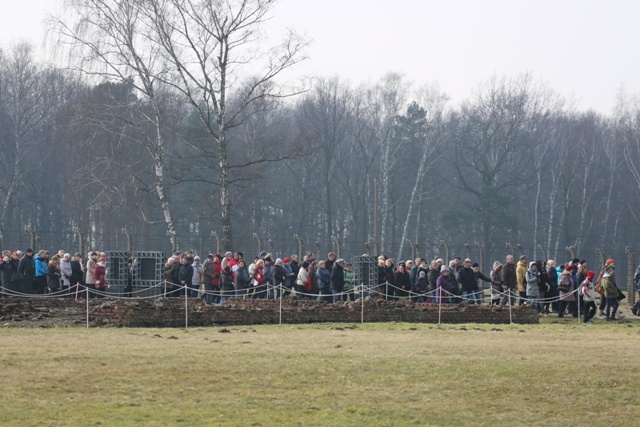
x=338, y=375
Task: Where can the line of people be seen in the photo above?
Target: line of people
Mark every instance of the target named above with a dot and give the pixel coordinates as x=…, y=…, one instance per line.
x=222, y=277
x=561, y=289
x=59, y=274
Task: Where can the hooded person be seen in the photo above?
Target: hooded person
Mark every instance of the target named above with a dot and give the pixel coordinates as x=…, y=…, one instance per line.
x=443, y=286
x=66, y=270
x=496, y=283
x=533, y=289
x=421, y=287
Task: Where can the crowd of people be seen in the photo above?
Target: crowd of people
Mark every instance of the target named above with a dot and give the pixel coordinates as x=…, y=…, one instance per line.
x=546, y=286
x=220, y=277
x=40, y=273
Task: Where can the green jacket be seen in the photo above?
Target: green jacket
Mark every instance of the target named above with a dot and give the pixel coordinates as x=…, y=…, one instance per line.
x=610, y=289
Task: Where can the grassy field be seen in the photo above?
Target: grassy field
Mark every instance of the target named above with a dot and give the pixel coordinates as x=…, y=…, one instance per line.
x=323, y=375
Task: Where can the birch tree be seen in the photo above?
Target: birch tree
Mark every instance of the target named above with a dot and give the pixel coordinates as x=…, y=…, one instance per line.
x=221, y=67
x=112, y=40
x=22, y=116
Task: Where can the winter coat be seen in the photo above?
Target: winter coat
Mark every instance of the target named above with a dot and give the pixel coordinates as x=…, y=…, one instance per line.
x=303, y=278
x=207, y=273
x=76, y=273
x=467, y=280
x=288, y=279
x=99, y=273
x=521, y=271
x=421, y=286
x=217, y=268
x=65, y=272
x=432, y=278
x=295, y=269
x=196, y=279
x=279, y=275
x=226, y=284
x=27, y=269
x=268, y=273
x=533, y=290
x=7, y=271
x=337, y=278
x=588, y=290
x=496, y=280
x=185, y=274
x=90, y=277
x=41, y=266
x=413, y=275
x=258, y=276
x=53, y=278
x=382, y=275
x=610, y=288
x=509, y=276
x=242, y=278
x=553, y=278
x=324, y=278
x=168, y=274
x=402, y=280
x=565, y=278
x=443, y=283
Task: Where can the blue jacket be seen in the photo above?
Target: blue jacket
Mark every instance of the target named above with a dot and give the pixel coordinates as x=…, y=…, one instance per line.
x=324, y=277
x=41, y=266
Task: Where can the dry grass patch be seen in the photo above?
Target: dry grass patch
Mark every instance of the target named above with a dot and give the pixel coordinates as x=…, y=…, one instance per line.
x=373, y=374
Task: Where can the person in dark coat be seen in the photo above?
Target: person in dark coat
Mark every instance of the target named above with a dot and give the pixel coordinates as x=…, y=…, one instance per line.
x=278, y=277
x=509, y=281
x=77, y=274
x=402, y=282
x=185, y=273
x=432, y=278
x=467, y=280
x=421, y=287
x=27, y=269
x=242, y=280
x=337, y=280
x=53, y=275
x=9, y=268
x=226, y=285
x=478, y=275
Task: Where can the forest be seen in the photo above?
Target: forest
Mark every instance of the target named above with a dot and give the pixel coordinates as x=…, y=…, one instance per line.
x=176, y=124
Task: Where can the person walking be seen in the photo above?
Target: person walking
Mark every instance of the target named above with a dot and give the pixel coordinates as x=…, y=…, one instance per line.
x=589, y=297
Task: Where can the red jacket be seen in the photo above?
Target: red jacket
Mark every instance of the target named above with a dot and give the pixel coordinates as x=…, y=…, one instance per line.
x=217, y=268
x=99, y=273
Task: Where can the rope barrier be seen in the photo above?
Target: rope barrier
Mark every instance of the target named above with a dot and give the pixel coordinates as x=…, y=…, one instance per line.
x=276, y=292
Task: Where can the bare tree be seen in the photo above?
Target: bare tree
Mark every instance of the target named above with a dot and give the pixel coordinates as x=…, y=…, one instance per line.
x=221, y=69
x=111, y=40
x=22, y=115
x=425, y=128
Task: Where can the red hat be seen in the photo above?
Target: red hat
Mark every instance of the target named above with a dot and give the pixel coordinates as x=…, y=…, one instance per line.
x=569, y=267
x=591, y=274
x=286, y=260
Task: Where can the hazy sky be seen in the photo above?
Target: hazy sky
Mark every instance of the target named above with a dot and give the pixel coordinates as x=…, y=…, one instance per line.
x=585, y=49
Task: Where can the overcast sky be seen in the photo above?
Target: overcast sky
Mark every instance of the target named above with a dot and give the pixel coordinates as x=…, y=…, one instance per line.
x=585, y=49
